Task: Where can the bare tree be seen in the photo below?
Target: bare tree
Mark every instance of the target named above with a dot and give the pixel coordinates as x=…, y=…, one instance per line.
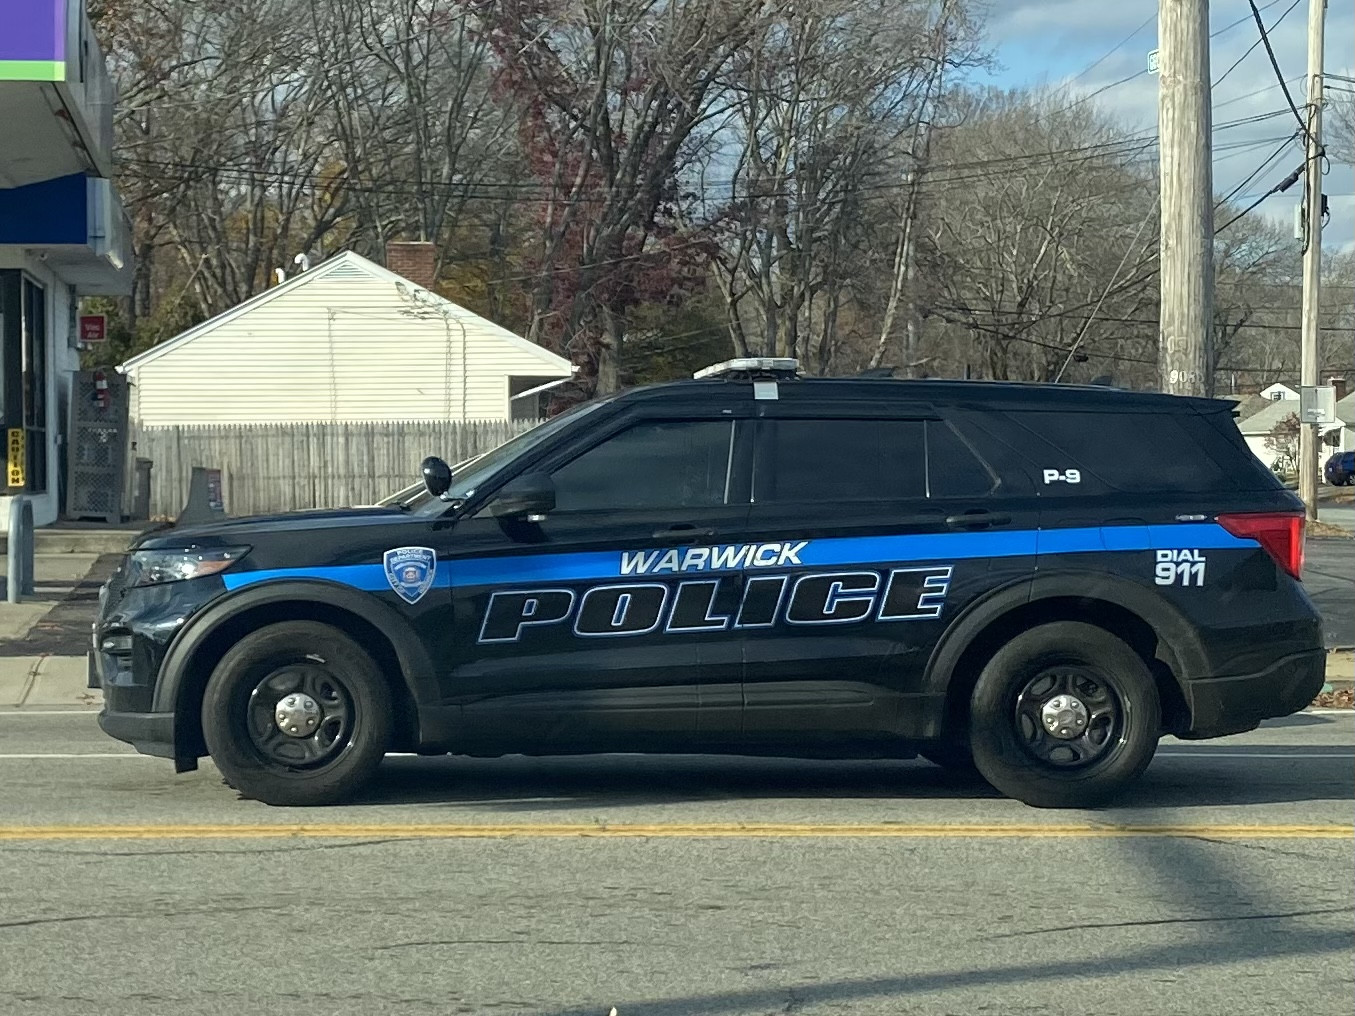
x=1040, y=240
x=612, y=91
x=828, y=97
x=421, y=133
x=226, y=137
x=1339, y=124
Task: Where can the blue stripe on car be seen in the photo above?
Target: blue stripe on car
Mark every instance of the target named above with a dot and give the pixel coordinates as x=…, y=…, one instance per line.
x=853, y=550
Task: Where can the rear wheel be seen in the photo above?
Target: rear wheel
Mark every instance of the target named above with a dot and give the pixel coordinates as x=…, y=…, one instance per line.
x=1064, y=716
x=297, y=714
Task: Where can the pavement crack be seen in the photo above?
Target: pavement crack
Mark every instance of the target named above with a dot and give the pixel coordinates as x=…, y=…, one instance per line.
x=30, y=680
x=1265, y=848
x=1161, y=922
x=34, y=922
x=504, y=941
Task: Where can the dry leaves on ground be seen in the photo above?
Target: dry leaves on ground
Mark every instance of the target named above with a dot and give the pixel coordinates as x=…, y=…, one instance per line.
x=1341, y=698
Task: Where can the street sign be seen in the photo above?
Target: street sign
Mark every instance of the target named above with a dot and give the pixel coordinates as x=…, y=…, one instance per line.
x=93, y=327
x=1152, y=61
x=1317, y=404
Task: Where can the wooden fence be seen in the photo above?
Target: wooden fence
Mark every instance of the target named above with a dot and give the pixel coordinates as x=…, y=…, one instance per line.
x=281, y=467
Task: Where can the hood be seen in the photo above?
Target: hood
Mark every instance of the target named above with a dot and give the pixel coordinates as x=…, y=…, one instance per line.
x=229, y=531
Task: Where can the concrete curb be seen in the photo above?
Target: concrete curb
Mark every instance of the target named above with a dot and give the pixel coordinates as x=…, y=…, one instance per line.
x=77, y=541
x=46, y=682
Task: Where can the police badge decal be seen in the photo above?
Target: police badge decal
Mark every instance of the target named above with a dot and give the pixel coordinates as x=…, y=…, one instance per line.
x=410, y=571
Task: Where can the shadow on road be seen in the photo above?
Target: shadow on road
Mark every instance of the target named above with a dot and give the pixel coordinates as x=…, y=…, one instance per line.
x=1309, y=720
x=1061, y=976
x=597, y=782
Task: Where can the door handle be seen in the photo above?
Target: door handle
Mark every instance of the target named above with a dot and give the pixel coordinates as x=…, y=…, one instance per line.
x=979, y=519
x=683, y=533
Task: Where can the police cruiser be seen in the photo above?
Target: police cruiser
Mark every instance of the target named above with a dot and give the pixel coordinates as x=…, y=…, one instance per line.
x=1036, y=582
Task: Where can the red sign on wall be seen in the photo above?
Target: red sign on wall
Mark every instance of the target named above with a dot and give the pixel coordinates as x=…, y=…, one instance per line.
x=93, y=327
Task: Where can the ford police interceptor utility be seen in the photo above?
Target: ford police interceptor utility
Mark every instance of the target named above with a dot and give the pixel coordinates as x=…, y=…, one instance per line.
x=1033, y=581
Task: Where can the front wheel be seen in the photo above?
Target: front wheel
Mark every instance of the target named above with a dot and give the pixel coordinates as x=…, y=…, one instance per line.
x=1065, y=715
x=297, y=714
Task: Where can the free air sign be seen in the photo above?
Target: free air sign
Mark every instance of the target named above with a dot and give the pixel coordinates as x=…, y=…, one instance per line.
x=93, y=327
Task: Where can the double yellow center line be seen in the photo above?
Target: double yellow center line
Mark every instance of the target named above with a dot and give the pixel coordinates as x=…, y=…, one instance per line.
x=749, y=830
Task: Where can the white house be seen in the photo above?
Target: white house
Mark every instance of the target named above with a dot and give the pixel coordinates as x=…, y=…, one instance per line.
x=343, y=341
x=63, y=233
x=1345, y=412
x=1280, y=392
x=1335, y=437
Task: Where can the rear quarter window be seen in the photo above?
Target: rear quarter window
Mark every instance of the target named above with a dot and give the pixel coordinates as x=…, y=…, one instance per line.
x=1131, y=452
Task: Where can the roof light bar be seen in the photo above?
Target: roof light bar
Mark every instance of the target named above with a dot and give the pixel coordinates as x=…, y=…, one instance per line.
x=786, y=366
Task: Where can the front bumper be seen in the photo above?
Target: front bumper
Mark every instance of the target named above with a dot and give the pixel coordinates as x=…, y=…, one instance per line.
x=1231, y=705
x=147, y=732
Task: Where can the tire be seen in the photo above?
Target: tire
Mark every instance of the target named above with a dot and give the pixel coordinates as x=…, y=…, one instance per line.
x=297, y=660
x=1121, y=716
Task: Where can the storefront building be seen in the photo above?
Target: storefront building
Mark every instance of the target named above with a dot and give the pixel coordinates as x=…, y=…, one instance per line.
x=63, y=232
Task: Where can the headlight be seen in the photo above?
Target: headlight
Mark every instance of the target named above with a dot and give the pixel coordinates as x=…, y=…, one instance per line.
x=151, y=567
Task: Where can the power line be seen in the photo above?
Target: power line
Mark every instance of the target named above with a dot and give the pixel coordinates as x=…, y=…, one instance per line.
x=1279, y=188
x=1284, y=146
x=1253, y=46
x=1279, y=74
x=1117, y=47
x=1137, y=74
x=531, y=191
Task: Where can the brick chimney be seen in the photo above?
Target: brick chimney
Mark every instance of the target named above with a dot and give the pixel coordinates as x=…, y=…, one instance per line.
x=1341, y=386
x=416, y=260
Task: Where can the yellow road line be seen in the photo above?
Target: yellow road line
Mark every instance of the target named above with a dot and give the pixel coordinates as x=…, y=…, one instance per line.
x=751, y=830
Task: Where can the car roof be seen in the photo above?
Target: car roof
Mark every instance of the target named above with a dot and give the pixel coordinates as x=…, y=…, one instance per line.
x=1009, y=394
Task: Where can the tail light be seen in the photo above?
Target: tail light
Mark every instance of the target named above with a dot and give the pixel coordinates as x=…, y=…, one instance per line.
x=1280, y=533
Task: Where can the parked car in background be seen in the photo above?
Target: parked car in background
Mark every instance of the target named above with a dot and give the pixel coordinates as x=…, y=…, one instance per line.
x=1340, y=469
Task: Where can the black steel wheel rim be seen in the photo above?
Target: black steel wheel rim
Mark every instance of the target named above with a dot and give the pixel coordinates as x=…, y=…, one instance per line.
x=280, y=707
x=1084, y=731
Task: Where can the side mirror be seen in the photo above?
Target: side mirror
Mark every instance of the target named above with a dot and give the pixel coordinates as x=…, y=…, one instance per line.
x=437, y=475
x=530, y=497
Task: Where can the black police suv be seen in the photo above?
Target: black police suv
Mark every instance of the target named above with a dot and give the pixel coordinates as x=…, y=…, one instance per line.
x=1033, y=581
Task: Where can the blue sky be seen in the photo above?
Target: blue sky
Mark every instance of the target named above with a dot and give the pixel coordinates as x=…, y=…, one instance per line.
x=1056, y=42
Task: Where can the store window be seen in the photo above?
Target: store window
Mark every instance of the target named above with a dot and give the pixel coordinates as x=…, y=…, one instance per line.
x=23, y=379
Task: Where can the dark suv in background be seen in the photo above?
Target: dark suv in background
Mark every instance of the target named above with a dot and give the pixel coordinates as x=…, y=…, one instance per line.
x=1034, y=581
x=1340, y=469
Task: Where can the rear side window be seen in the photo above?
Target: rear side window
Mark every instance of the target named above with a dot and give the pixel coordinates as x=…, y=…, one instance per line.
x=841, y=460
x=953, y=466
x=1125, y=451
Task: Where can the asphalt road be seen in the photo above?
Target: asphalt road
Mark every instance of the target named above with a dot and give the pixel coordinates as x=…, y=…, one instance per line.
x=567, y=887
x=1329, y=577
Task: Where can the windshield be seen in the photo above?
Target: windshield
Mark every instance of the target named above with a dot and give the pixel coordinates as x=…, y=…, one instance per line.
x=485, y=466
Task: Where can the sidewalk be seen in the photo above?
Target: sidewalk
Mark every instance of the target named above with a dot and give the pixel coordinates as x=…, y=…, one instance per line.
x=46, y=682
x=56, y=620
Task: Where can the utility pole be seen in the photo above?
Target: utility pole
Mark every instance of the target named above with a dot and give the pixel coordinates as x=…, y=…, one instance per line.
x=1186, y=179
x=1312, y=251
